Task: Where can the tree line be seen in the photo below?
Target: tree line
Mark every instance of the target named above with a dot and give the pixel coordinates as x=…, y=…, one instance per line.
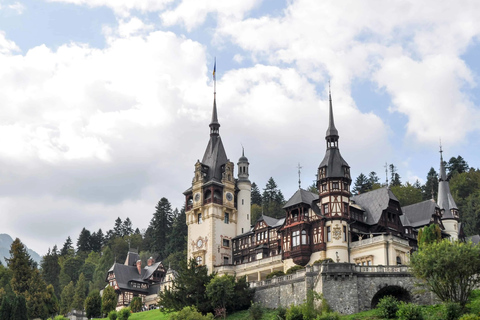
x=67, y=276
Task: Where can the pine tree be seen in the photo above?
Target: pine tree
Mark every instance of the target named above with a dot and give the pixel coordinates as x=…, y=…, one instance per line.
x=374, y=181
x=51, y=269
x=362, y=184
x=272, y=200
x=83, y=242
x=80, y=293
x=96, y=241
x=430, y=189
x=109, y=300
x=256, y=197
x=177, y=241
x=6, y=306
x=19, y=308
x=456, y=165
x=67, y=248
x=117, y=229
x=36, y=296
x=93, y=305
x=394, y=176
x=20, y=267
x=51, y=301
x=66, y=301
x=127, y=227
x=161, y=224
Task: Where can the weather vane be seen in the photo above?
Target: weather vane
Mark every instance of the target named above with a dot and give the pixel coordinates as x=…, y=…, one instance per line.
x=299, y=173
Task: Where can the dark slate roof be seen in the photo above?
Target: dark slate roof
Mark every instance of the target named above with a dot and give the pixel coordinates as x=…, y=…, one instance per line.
x=475, y=239
x=445, y=199
x=270, y=221
x=374, y=202
x=334, y=162
x=301, y=196
x=215, y=157
x=331, y=131
x=132, y=258
x=418, y=214
x=124, y=274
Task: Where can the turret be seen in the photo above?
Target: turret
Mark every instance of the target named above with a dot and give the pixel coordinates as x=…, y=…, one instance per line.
x=244, y=195
x=334, y=192
x=448, y=207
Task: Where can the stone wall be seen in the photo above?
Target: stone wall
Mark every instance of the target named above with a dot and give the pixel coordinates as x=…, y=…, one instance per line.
x=347, y=288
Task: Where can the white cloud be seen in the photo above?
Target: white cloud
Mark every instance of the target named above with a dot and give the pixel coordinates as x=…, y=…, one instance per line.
x=192, y=13
x=7, y=46
x=400, y=45
x=18, y=7
x=122, y=7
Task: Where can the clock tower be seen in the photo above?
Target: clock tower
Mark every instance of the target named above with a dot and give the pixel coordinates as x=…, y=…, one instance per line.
x=211, y=203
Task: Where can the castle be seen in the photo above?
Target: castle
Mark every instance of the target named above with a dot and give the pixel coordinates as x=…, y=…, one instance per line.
x=367, y=229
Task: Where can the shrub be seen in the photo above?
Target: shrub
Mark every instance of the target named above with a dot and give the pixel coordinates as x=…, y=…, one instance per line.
x=112, y=315
x=294, y=269
x=387, y=307
x=329, y=316
x=452, y=311
x=136, y=304
x=256, y=311
x=124, y=314
x=190, y=313
x=281, y=313
x=60, y=318
x=277, y=273
x=321, y=261
x=470, y=316
x=409, y=311
x=294, y=313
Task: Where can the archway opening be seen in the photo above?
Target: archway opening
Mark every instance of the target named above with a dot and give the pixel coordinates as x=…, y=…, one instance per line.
x=399, y=293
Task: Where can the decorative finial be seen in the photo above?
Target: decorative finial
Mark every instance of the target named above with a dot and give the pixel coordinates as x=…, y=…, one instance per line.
x=386, y=173
x=441, y=151
x=299, y=173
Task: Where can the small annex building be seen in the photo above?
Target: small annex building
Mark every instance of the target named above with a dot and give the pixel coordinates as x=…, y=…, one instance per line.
x=132, y=280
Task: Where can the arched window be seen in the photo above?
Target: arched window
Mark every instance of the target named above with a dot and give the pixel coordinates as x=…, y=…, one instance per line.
x=199, y=260
x=399, y=261
x=304, y=237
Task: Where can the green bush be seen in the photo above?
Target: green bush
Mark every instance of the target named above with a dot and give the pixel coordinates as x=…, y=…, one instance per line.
x=136, y=304
x=388, y=307
x=294, y=313
x=473, y=304
x=190, y=313
x=409, y=311
x=277, y=273
x=452, y=311
x=112, y=315
x=124, y=314
x=327, y=260
x=294, y=269
x=329, y=316
x=60, y=318
x=281, y=313
x=470, y=316
x=256, y=311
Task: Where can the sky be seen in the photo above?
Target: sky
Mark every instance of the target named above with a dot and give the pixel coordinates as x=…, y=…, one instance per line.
x=105, y=104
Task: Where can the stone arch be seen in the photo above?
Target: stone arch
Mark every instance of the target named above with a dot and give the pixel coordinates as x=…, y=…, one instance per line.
x=398, y=292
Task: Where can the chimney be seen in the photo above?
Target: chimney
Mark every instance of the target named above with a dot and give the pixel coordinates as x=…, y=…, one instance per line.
x=150, y=261
x=139, y=266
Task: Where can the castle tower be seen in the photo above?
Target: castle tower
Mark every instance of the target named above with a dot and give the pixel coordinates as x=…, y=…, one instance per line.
x=448, y=207
x=244, y=187
x=210, y=204
x=334, y=193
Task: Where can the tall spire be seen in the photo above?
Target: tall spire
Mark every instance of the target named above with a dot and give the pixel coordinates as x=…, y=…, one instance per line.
x=214, y=125
x=331, y=131
x=445, y=200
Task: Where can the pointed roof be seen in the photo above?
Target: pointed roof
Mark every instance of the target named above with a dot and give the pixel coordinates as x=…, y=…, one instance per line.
x=331, y=131
x=445, y=199
x=215, y=156
x=418, y=214
x=301, y=196
x=333, y=159
x=374, y=202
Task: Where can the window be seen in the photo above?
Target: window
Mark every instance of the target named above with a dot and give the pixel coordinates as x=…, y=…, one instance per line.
x=227, y=218
x=243, y=201
x=345, y=186
x=329, y=234
x=344, y=233
x=259, y=255
x=199, y=260
x=199, y=218
x=295, y=238
x=399, y=261
x=369, y=262
x=335, y=185
x=324, y=187
x=258, y=236
x=226, y=243
x=325, y=208
x=304, y=237
x=225, y=260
